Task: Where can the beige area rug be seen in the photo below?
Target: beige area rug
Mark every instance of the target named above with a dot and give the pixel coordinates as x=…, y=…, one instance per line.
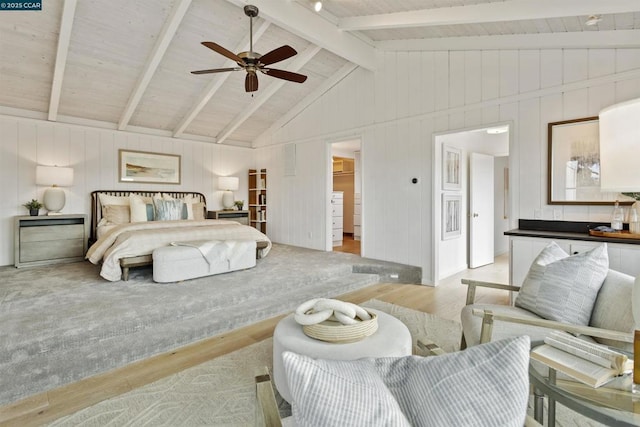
x=221, y=392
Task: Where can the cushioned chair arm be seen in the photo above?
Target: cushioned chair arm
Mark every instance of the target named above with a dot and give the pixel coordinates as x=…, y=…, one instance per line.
x=472, y=284
x=267, y=406
x=551, y=324
x=430, y=347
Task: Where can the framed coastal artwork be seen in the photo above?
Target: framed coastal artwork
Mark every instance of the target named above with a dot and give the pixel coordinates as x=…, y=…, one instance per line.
x=451, y=216
x=148, y=167
x=573, y=164
x=451, y=166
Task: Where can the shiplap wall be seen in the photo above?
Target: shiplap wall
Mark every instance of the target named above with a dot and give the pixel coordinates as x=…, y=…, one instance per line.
x=93, y=154
x=412, y=96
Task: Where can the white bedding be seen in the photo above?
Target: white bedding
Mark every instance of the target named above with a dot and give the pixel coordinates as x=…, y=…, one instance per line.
x=141, y=238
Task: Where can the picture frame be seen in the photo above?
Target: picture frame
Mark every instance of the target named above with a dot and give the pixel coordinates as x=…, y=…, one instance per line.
x=451, y=216
x=451, y=168
x=148, y=167
x=573, y=164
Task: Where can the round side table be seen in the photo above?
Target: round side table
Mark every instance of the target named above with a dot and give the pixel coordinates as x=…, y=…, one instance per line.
x=392, y=339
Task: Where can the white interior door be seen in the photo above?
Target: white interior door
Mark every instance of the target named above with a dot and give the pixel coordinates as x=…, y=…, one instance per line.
x=481, y=210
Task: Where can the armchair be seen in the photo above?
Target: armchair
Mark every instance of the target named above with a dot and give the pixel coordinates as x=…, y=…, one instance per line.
x=611, y=321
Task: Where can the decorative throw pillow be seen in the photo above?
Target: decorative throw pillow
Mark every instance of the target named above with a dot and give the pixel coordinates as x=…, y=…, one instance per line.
x=486, y=384
x=116, y=214
x=140, y=208
x=166, y=210
x=198, y=211
x=562, y=287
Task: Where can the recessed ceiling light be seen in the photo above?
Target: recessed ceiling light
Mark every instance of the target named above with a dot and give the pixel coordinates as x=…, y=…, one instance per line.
x=317, y=6
x=495, y=131
x=593, y=20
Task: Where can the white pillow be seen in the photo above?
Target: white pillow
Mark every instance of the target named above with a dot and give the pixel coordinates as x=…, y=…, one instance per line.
x=562, y=287
x=485, y=385
x=138, y=205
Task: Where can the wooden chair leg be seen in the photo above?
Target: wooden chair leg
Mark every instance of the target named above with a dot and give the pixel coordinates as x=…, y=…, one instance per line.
x=267, y=405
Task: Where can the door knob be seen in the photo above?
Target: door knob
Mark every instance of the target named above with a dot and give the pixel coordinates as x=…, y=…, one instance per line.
x=475, y=215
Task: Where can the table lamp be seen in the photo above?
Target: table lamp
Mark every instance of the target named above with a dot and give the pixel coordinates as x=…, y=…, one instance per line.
x=619, y=144
x=56, y=177
x=228, y=184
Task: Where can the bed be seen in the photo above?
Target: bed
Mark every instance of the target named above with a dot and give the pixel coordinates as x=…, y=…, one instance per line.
x=124, y=232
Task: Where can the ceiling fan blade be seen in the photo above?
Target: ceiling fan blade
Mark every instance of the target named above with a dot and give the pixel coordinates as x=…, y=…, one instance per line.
x=216, y=70
x=277, y=55
x=224, y=52
x=251, y=82
x=285, y=75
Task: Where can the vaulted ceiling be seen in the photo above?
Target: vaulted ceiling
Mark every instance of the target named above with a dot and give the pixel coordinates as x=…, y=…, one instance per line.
x=125, y=64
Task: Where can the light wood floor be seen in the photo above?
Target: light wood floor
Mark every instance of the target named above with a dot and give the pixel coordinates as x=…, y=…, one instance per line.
x=349, y=244
x=444, y=300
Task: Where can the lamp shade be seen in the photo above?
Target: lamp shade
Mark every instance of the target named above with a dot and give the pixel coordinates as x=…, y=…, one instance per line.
x=54, y=176
x=619, y=145
x=228, y=183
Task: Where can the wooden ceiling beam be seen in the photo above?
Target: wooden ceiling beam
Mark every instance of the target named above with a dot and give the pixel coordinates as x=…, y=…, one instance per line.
x=64, y=37
x=162, y=44
x=312, y=27
x=510, y=10
x=583, y=40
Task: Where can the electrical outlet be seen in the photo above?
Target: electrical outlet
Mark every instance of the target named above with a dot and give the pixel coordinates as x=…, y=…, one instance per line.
x=537, y=214
x=557, y=214
x=310, y=235
x=393, y=276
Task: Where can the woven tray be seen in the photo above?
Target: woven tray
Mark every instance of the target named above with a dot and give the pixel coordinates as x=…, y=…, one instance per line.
x=624, y=234
x=334, y=331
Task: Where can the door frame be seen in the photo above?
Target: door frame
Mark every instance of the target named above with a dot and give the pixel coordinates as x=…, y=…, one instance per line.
x=436, y=180
x=329, y=191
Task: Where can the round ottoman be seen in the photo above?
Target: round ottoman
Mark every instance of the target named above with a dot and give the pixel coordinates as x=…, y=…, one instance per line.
x=392, y=339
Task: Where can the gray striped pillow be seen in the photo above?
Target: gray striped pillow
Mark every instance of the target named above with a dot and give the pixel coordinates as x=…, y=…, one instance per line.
x=485, y=385
x=562, y=287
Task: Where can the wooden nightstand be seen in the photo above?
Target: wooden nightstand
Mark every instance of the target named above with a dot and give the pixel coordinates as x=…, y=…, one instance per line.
x=241, y=216
x=41, y=240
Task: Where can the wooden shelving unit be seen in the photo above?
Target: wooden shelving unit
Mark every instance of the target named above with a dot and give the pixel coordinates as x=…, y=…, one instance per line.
x=258, y=199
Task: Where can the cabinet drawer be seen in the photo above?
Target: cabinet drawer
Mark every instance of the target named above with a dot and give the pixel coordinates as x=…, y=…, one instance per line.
x=49, y=250
x=51, y=233
x=337, y=222
x=337, y=234
x=336, y=211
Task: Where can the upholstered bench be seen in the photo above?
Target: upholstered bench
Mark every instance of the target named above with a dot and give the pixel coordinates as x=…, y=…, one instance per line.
x=189, y=260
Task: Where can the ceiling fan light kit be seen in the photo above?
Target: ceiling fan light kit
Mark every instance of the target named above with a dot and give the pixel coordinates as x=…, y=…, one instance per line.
x=252, y=62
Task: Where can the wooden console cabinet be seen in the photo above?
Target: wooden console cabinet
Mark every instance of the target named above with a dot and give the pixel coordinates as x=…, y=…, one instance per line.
x=41, y=240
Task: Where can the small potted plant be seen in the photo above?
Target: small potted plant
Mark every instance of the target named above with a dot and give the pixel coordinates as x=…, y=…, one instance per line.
x=33, y=206
x=239, y=204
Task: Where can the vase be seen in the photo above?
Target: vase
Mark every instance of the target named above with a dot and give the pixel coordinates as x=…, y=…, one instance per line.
x=34, y=212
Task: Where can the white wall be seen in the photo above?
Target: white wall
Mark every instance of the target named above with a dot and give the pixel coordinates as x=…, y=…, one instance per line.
x=412, y=95
x=93, y=154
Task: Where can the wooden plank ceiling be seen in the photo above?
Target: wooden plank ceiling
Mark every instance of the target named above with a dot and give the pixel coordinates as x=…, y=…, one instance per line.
x=125, y=64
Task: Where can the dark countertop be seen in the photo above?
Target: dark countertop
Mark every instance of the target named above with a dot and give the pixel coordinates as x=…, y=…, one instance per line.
x=564, y=230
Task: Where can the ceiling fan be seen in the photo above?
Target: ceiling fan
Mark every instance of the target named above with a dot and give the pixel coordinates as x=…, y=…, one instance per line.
x=252, y=62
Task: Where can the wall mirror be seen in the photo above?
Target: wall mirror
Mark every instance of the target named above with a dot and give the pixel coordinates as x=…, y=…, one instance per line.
x=574, y=164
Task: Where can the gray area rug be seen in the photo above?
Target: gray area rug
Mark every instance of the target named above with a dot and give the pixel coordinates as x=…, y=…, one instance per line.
x=63, y=323
x=221, y=392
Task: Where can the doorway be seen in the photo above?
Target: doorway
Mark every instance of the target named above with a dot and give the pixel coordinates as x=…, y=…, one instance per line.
x=472, y=243
x=346, y=197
